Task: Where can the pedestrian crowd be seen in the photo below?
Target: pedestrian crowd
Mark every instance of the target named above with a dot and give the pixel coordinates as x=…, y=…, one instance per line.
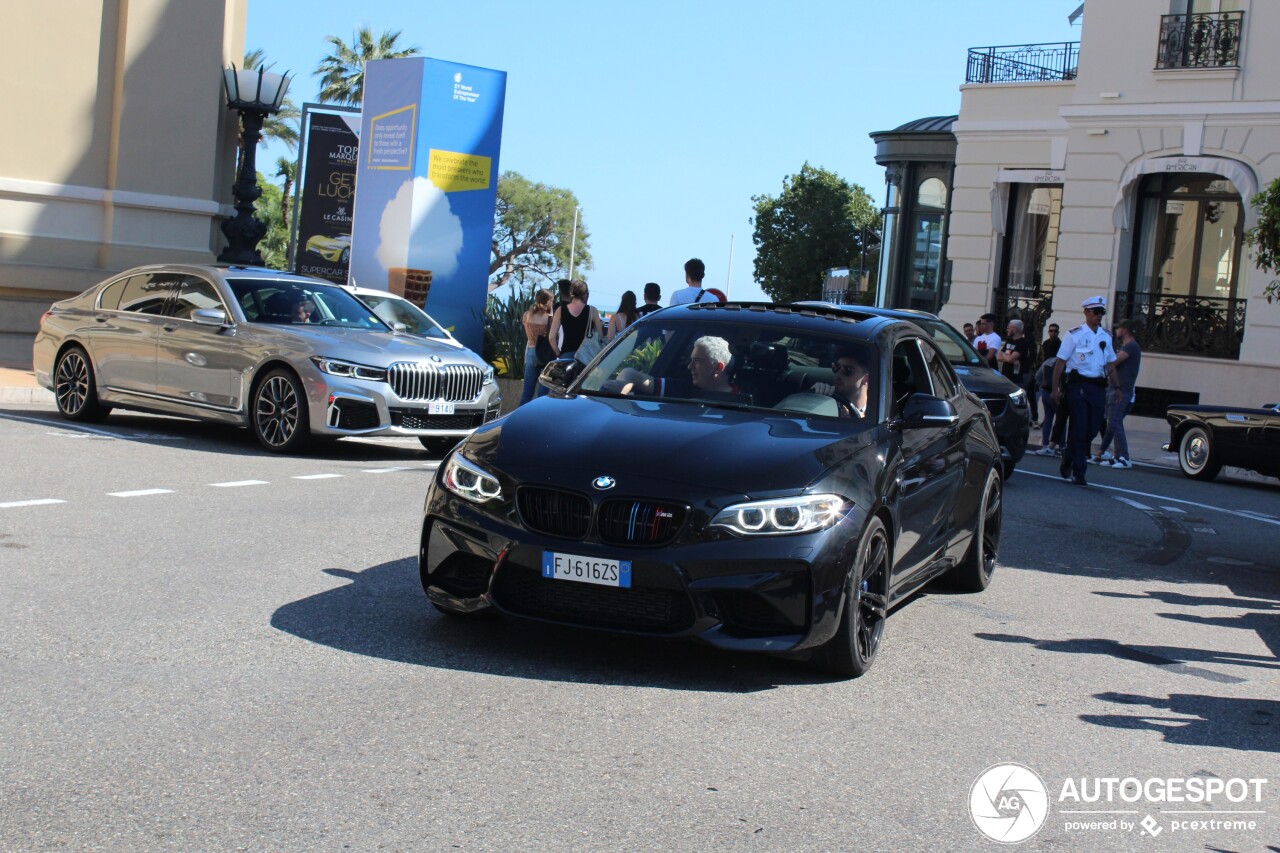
x=564, y=325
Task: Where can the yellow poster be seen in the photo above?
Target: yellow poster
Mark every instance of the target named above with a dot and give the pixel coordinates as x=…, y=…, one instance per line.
x=452, y=171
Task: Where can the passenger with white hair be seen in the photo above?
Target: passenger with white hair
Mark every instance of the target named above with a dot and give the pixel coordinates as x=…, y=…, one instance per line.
x=1014, y=356
x=710, y=365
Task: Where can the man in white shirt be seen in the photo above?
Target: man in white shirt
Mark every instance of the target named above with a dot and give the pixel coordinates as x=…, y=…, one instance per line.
x=987, y=342
x=694, y=271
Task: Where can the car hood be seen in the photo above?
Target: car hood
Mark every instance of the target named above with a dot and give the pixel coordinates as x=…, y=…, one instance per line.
x=983, y=380
x=571, y=441
x=377, y=349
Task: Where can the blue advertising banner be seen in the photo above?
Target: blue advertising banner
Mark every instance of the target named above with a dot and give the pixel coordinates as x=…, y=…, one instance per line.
x=427, y=180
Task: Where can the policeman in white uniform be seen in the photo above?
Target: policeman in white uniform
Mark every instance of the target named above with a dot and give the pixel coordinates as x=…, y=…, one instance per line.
x=1088, y=358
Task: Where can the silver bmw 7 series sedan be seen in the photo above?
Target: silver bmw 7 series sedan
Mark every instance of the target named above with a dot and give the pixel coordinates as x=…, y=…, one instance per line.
x=286, y=355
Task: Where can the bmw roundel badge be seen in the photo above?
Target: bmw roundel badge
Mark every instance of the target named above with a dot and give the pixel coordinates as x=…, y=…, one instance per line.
x=437, y=359
x=603, y=483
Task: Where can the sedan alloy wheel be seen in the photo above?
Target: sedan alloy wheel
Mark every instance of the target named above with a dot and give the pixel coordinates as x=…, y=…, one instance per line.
x=74, y=388
x=280, y=412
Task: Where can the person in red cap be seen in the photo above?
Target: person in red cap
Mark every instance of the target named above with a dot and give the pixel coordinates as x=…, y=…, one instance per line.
x=1088, y=360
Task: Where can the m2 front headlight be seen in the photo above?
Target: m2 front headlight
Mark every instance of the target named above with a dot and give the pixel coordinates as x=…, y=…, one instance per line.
x=469, y=481
x=349, y=369
x=781, y=516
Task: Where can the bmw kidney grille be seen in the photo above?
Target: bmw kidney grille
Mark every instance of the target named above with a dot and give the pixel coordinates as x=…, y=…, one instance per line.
x=459, y=383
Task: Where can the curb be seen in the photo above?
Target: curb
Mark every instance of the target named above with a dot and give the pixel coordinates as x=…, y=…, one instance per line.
x=26, y=395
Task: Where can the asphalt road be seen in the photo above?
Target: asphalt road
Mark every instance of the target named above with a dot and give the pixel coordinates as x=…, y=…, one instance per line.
x=204, y=647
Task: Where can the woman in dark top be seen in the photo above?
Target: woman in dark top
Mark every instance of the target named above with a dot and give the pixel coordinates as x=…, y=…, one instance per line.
x=574, y=319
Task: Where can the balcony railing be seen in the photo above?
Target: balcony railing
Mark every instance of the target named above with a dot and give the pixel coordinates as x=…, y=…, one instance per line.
x=1200, y=40
x=1032, y=307
x=1026, y=63
x=1185, y=325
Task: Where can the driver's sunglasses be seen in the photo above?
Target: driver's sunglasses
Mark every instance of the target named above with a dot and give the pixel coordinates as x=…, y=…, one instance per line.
x=845, y=369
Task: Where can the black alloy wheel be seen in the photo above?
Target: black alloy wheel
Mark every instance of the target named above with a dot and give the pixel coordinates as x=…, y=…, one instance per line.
x=853, y=649
x=1196, y=456
x=973, y=574
x=279, y=415
x=75, y=389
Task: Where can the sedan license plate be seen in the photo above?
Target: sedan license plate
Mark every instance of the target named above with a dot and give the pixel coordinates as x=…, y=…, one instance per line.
x=440, y=407
x=571, y=567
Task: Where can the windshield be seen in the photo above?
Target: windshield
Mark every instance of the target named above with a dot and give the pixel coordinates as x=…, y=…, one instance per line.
x=286, y=303
x=952, y=343
x=393, y=309
x=741, y=365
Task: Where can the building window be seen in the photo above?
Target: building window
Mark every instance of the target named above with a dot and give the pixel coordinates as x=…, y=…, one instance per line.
x=1029, y=258
x=1183, y=286
x=926, y=243
x=1200, y=34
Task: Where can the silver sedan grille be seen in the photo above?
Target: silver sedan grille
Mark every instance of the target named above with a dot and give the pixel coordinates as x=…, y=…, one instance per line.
x=458, y=383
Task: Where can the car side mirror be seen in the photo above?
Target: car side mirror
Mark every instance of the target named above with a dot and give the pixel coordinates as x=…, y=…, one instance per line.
x=558, y=375
x=926, y=410
x=399, y=328
x=209, y=317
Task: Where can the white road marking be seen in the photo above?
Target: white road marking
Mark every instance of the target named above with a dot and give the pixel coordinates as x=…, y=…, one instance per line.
x=316, y=476
x=1238, y=514
x=1174, y=509
x=1135, y=504
x=40, y=502
x=1204, y=530
x=139, y=436
x=236, y=483
x=138, y=493
x=385, y=470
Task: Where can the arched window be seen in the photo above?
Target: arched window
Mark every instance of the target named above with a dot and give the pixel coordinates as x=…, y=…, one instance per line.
x=1184, y=281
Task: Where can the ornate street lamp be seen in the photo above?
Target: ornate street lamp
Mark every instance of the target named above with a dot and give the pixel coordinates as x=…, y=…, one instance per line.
x=255, y=95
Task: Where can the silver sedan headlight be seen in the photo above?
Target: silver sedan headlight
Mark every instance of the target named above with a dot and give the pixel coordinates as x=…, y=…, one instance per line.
x=781, y=516
x=349, y=369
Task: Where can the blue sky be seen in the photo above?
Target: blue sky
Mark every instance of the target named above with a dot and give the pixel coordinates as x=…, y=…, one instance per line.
x=665, y=118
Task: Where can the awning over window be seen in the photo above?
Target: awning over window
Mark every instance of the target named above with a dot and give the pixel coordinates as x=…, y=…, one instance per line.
x=1240, y=175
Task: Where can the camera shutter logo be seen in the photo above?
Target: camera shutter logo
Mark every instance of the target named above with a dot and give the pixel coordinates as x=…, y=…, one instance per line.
x=1008, y=803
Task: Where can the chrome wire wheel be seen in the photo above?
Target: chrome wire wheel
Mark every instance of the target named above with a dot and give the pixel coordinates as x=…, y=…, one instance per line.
x=872, y=604
x=280, y=412
x=71, y=383
x=1196, y=455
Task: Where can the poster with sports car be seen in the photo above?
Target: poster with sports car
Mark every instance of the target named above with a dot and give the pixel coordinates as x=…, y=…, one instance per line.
x=327, y=195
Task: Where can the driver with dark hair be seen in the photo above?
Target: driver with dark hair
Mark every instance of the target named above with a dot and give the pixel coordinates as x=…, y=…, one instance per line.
x=849, y=384
x=302, y=310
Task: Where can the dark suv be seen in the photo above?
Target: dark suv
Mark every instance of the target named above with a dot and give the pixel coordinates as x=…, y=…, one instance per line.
x=1007, y=403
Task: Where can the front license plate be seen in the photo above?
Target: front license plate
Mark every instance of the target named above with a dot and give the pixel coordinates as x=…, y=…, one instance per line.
x=440, y=408
x=571, y=567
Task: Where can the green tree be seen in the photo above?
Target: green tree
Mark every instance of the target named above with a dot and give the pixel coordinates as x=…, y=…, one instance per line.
x=1264, y=237
x=816, y=223
x=270, y=209
x=341, y=73
x=533, y=233
x=287, y=171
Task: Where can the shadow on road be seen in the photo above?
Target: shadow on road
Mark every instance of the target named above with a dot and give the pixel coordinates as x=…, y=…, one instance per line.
x=383, y=613
x=1244, y=724
x=202, y=437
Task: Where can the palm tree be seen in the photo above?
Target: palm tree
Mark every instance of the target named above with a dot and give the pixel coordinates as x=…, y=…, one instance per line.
x=341, y=73
x=287, y=170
